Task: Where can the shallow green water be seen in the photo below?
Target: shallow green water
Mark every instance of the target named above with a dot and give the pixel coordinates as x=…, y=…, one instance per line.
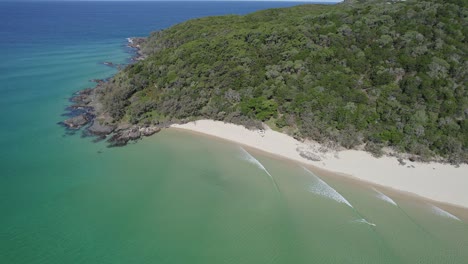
x=183, y=198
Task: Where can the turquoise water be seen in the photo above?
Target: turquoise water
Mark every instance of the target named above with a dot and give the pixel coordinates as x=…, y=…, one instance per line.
x=174, y=197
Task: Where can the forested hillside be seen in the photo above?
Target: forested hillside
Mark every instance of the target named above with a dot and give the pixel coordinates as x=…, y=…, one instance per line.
x=381, y=73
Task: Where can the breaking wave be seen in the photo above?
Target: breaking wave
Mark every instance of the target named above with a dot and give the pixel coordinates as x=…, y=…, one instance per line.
x=322, y=188
x=248, y=157
x=443, y=213
x=364, y=221
x=385, y=197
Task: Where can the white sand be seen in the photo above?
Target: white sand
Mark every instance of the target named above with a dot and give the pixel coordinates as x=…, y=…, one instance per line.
x=439, y=182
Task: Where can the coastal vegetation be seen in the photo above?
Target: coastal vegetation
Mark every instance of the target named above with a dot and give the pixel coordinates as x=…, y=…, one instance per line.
x=361, y=73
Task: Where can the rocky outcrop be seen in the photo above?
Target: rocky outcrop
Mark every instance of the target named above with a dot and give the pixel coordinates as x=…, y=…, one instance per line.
x=80, y=113
x=82, y=98
x=136, y=43
x=98, y=81
x=76, y=122
x=148, y=131
x=122, y=136
x=86, y=107
x=99, y=129
x=108, y=63
x=114, y=65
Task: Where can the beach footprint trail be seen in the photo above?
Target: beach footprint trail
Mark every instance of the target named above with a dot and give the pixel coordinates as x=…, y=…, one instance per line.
x=248, y=157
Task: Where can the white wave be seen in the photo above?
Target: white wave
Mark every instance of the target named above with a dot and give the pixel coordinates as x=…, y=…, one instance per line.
x=364, y=221
x=253, y=160
x=385, y=197
x=248, y=157
x=130, y=40
x=322, y=188
x=443, y=213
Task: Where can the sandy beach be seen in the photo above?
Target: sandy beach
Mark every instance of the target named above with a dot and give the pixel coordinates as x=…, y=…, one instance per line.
x=440, y=182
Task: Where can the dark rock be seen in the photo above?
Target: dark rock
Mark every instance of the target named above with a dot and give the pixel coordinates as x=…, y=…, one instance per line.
x=136, y=42
x=298, y=138
x=148, y=131
x=308, y=155
x=117, y=141
x=86, y=91
x=99, y=129
x=77, y=109
x=122, y=137
x=401, y=161
x=81, y=99
x=123, y=127
x=133, y=134
x=76, y=122
x=108, y=63
x=98, y=81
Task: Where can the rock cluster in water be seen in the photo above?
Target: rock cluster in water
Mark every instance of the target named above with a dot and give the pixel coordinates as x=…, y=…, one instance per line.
x=85, y=107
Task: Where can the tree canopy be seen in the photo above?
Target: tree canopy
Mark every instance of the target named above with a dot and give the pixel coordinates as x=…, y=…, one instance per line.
x=380, y=73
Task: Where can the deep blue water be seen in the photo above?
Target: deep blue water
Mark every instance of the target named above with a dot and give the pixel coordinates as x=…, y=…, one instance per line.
x=26, y=24
x=28, y=28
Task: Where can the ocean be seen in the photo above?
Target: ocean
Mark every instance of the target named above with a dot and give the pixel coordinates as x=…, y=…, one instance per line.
x=175, y=197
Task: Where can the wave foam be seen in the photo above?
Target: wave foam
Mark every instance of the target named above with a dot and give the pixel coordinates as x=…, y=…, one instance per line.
x=385, y=197
x=248, y=157
x=443, y=213
x=322, y=188
x=364, y=221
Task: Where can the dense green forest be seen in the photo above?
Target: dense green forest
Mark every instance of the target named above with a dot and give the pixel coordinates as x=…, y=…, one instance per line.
x=379, y=73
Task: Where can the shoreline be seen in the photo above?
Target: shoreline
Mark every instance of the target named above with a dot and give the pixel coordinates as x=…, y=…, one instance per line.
x=442, y=183
x=439, y=182
x=86, y=112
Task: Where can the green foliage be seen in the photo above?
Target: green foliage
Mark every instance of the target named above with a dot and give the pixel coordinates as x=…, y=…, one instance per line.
x=259, y=107
x=385, y=73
